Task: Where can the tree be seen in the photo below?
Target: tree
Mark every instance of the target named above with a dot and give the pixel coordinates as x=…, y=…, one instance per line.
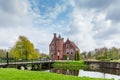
x=64, y=57
x=44, y=56
x=101, y=53
x=24, y=49
x=2, y=53
x=113, y=53
x=83, y=55
x=89, y=55
x=77, y=56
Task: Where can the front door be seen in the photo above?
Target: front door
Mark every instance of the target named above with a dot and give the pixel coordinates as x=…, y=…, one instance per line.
x=58, y=57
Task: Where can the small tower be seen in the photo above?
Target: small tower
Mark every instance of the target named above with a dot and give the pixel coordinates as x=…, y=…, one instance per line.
x=56, y=47
x=59, y=36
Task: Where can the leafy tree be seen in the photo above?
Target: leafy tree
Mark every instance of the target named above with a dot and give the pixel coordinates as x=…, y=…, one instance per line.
x=77, y=56
x=2, y=53
x=44, y=56
x=24, y=49
x=89, y=55
x=83, y=55
x=101, y=53
x=64, y=57
x=113, y=53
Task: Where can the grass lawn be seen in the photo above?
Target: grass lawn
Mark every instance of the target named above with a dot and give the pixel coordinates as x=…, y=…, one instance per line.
x=14, y=74
x=75, y=65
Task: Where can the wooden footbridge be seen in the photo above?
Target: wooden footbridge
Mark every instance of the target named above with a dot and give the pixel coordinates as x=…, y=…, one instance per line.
x=25, y=65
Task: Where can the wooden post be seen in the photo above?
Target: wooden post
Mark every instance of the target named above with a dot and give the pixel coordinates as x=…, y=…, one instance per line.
x=40, y=66
x=49, y=65
x=33, y=67
x=7, y=58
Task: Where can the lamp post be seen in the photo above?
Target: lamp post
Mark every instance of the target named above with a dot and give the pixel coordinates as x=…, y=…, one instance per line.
x=7, y=55
x=1, y=55
x=7, y=58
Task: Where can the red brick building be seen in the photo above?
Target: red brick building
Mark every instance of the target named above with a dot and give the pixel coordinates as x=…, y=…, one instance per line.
x=60, y=50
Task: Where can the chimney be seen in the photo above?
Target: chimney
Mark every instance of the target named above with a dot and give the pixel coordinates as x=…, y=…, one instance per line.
x=54, y=34
x=63, y=39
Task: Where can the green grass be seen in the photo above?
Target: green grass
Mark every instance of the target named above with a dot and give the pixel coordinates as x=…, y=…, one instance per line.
x=14, y=74
x=72, y=65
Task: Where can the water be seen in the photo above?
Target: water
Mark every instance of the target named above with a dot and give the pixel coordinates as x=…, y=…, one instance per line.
x=93, y=73
x=98, y=75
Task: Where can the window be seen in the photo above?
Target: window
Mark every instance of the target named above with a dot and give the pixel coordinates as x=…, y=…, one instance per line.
x=67, y=51
x=67, y=45
x=71, y=51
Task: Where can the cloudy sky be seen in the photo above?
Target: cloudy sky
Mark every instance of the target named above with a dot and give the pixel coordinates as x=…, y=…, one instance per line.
x=89, y=23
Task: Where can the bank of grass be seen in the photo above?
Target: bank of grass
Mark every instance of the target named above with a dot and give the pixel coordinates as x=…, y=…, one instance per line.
x=14, y=74
x=72, y=65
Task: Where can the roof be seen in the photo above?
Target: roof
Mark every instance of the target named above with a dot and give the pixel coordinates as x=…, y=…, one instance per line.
x=56, y=39
x=73, y=44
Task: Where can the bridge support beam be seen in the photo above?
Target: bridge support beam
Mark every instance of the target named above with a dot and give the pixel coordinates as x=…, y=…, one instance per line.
x=29, y=65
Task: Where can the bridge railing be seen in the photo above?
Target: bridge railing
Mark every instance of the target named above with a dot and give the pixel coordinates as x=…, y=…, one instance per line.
x=6, y=58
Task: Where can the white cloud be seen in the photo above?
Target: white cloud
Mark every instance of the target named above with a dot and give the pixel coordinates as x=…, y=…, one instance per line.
x=14, y=13
x=50, y=14
x=37, y=36
x=57, y=10
x=83, y=27
x=17, y=19
x=90, y=28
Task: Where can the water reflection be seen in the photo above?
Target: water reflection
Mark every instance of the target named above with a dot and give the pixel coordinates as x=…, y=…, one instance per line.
x=91, y=74
x=66, y=72
x=103, y=70
x=96, y=73
x=109, y=76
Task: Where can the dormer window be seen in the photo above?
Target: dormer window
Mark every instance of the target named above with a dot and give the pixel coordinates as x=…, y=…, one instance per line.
x=67, y=45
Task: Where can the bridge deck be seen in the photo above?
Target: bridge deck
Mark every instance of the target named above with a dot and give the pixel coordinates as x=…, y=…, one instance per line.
x=23, y=63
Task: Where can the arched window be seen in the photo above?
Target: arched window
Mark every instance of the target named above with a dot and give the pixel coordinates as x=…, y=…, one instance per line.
x=67, y=51
x=71, y=51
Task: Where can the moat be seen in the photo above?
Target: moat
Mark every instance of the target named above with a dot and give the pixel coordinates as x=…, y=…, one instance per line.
x=93, y=73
